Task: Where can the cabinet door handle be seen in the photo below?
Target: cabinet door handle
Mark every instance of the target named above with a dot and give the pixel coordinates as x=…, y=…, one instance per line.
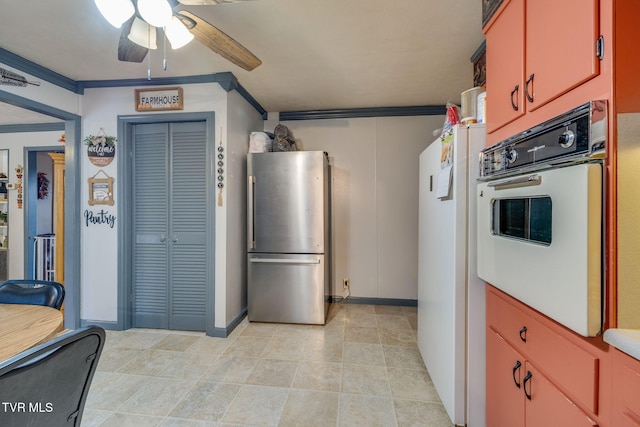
x=526, y=87
x=516, y=367
x=526, y=380
x=513, y=92
x=523, y=334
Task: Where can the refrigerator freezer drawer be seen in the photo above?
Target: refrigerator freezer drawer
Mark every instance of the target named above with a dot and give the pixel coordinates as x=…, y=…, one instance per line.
x=287, y=288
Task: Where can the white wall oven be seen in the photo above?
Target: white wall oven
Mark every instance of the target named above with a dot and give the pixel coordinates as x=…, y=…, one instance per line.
x=540, y=211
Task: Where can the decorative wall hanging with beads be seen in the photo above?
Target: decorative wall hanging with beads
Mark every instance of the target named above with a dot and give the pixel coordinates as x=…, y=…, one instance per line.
x=220, y=170
x=19, y=171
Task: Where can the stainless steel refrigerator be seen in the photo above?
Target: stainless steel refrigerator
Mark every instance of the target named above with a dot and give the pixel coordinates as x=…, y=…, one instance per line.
x=288, y=236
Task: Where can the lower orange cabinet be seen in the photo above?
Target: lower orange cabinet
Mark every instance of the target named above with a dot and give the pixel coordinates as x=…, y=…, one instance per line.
x=540, y=374
x=547, y=406
x=626, y=390
x=518, y=394
x=505, y=397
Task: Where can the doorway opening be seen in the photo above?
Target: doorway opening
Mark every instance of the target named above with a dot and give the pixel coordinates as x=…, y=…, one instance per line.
x=40, y=203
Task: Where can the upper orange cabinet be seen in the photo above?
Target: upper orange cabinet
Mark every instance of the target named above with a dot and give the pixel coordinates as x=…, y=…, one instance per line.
x=505, y=66
x=536, y=51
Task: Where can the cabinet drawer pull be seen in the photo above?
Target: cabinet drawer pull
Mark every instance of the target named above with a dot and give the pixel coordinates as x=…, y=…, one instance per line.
x=513, y=92
x=526, y=87
x=523, y=334
x=516, y=367
x=526, y=380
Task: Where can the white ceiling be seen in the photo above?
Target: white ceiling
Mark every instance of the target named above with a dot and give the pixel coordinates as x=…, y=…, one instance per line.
x=316, y=54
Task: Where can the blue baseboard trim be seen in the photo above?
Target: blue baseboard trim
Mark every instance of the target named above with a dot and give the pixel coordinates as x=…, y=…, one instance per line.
x=354, y=113
x=224, y=332
x=377, y=301
x=109, y=326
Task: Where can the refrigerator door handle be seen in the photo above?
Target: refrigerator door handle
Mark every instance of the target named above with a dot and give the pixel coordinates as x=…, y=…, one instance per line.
x=251, y=224
x=285, y=261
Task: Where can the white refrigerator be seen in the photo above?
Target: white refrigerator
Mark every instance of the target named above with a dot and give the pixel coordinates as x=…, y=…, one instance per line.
x=451, y=297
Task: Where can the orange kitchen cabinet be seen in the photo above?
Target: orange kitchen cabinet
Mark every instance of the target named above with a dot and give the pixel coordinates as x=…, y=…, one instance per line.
x=518, y=394
x=539, y=372
x=538, y=50
x=505, y=100
x=626, y=390
x=505, y=366
x=561, y=47
x=547, y=406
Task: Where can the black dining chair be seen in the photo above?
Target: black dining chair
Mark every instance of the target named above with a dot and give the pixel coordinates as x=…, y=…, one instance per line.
x=47, y=385
x=34, y=292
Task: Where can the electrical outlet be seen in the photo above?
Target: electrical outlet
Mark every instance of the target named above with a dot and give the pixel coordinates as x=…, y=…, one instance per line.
x=346, y=283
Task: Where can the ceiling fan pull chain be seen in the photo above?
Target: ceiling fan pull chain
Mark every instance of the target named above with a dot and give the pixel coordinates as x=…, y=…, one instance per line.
x=164, y=46
x=149, y=57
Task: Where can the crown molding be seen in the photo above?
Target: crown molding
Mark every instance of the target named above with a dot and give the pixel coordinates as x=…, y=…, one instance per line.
x=226, y=80
x=32, y=127
x=12, y=60
x=351, y=113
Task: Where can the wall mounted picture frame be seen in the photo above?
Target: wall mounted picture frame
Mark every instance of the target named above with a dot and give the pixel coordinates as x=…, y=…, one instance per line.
x=101, y=190
x=159, y=99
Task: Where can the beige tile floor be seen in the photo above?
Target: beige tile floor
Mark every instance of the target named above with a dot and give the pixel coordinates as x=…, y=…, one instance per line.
x=362, y=368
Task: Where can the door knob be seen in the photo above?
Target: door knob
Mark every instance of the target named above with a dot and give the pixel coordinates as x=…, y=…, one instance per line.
x=174, y=239
x=163, y=238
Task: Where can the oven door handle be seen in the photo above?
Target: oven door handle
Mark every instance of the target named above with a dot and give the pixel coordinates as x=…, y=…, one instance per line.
x=519, y=181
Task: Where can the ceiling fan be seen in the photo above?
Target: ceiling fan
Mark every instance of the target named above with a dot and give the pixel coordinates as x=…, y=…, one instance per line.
x=140, y=19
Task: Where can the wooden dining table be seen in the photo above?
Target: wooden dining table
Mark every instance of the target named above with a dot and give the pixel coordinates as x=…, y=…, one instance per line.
x=23, y=326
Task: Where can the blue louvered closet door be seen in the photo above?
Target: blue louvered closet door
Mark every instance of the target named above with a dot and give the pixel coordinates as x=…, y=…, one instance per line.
x=170, y=224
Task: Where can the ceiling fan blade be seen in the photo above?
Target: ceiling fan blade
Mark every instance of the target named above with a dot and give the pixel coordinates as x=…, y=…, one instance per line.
x=127, y=50
x=219, y=42
x=208, y=2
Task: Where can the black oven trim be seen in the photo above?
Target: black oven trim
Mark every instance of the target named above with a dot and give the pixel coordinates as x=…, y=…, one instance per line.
x=576, y=136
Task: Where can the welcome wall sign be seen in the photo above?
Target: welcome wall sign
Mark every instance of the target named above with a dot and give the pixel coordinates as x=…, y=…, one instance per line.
x=159, y=99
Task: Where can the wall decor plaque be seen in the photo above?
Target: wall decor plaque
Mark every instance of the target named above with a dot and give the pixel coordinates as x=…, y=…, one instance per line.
x=159, y=99
x=101, y=148
x=101, y=190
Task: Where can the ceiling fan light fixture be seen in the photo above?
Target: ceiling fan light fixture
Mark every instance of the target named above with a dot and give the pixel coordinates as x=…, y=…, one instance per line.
x=116, y=12
x=156, y=12
x=143, y=34
x=177, y=33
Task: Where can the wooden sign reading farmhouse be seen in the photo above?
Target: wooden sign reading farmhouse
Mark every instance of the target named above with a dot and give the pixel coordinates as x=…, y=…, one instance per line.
x=161, y=99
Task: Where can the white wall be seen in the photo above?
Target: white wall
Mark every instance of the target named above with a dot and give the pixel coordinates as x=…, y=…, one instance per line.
x=374, y=194
x=375, y=198
x=100, y=108
x=242, y=119
x=46, y=93
x=16, y=142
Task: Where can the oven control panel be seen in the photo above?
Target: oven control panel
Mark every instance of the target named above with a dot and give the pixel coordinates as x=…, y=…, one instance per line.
x=576, y=136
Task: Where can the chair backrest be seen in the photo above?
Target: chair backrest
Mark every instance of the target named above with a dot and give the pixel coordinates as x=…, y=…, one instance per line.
x=47, y=385
x=33, y=292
